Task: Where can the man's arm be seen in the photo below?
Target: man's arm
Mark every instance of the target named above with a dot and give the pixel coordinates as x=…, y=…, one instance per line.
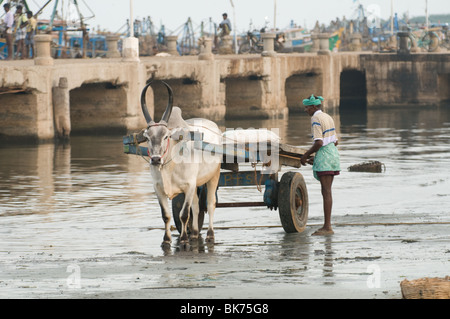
x=316, y=146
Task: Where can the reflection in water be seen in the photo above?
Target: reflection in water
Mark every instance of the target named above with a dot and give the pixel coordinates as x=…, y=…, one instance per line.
x=328, y=261
x=195, y=247
x=34, y=178
x=88, y=198
x=92, y=172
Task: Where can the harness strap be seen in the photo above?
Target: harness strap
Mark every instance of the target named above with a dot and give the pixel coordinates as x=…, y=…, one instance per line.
x=165, y=152
x=167, y=148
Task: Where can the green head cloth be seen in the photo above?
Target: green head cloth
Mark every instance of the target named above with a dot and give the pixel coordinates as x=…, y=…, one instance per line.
x=313, y=100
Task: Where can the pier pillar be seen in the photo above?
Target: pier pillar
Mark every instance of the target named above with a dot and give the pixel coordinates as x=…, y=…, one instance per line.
x=226, y=45
x=324, y=41
x=61, y=109
x=111, y=42
x=403, y=43
x=172, y=45
x=130, y=50
x=356, y=42
x=43, y=56
x=269, y=44
x=316, y=43
x=206, y=49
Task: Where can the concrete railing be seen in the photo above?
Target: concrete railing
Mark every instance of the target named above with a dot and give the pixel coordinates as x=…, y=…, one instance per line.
x=403, y=43
x=206, y=49
x=43, y=50
x=226, y=45
x=269, y=44
x=111, y=43
x=316, y=43
x=356, y=39
x=324, y=42
x=172, y=45
x=130, y=50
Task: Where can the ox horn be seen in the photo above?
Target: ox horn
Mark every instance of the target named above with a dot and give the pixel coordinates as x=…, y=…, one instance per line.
x=169, y=107
x=168, y=110
x=147, y=116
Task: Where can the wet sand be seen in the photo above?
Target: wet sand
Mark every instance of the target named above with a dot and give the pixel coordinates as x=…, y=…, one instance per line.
x=358, y=261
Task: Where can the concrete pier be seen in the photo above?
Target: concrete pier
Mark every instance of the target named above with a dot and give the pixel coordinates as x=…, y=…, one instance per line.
x=103, y=94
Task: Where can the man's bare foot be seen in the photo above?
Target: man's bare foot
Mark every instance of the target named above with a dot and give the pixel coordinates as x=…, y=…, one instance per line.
x=323, y=232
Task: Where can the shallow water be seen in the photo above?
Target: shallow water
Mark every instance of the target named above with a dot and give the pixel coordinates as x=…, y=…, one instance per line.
x=87, y=203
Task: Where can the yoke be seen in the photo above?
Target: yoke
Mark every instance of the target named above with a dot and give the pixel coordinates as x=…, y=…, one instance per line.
x=289, y=155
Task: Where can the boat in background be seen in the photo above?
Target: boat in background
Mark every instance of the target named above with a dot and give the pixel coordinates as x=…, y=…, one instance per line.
x=296, y=39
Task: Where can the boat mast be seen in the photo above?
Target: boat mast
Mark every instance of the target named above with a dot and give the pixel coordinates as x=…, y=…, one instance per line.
x=234, y=26
x=274, y=15
x=392, y=17
x=131, y=19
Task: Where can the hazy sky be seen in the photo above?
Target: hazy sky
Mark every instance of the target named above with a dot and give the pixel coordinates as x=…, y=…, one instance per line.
x=112, y=14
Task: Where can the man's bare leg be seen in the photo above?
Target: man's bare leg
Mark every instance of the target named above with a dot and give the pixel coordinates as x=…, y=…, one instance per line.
x=326, y=182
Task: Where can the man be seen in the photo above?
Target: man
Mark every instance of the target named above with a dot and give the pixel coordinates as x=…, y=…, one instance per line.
x=9, y=21
x=225, y=25
x=31, y=31
x=20, y=28
x=326, y=161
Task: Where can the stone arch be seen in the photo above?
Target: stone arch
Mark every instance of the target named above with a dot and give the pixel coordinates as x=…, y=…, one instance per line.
x=187, y=95
x=98, y=107
x=353, y=89
x=300, y=86
x=18, y=113
x=244, y=97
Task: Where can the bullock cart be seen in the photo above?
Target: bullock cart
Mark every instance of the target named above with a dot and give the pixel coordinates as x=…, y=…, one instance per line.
x=287, y=194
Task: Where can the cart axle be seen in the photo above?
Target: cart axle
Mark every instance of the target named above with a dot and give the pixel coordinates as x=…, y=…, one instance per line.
x=241, y=204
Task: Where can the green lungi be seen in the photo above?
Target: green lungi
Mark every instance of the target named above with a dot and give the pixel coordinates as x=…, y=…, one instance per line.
x=327, y=161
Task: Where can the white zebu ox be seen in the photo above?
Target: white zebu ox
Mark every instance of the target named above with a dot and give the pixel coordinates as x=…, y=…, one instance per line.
x=173, y=173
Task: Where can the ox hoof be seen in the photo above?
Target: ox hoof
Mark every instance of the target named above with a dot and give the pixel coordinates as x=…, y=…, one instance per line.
x=184, y=245
x=210, y=236
x=193, y=237
x=166, y=244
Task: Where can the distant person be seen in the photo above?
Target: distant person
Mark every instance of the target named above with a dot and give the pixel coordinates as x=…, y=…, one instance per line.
x=9, y=22
x=31, y=25
x=20, y=20
x=225, y=26
x=326, y=161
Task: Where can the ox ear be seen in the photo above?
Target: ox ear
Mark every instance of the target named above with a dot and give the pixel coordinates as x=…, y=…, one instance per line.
x=179, y=133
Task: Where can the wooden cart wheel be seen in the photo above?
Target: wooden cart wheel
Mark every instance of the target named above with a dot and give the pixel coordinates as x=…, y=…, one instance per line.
x=177, y=204
x=293, y=202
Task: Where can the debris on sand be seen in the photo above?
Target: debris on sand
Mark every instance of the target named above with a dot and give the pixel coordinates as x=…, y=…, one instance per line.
x=370, y=167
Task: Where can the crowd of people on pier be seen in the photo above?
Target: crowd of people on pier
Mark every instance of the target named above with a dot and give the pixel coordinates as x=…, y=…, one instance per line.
x=19, y=29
